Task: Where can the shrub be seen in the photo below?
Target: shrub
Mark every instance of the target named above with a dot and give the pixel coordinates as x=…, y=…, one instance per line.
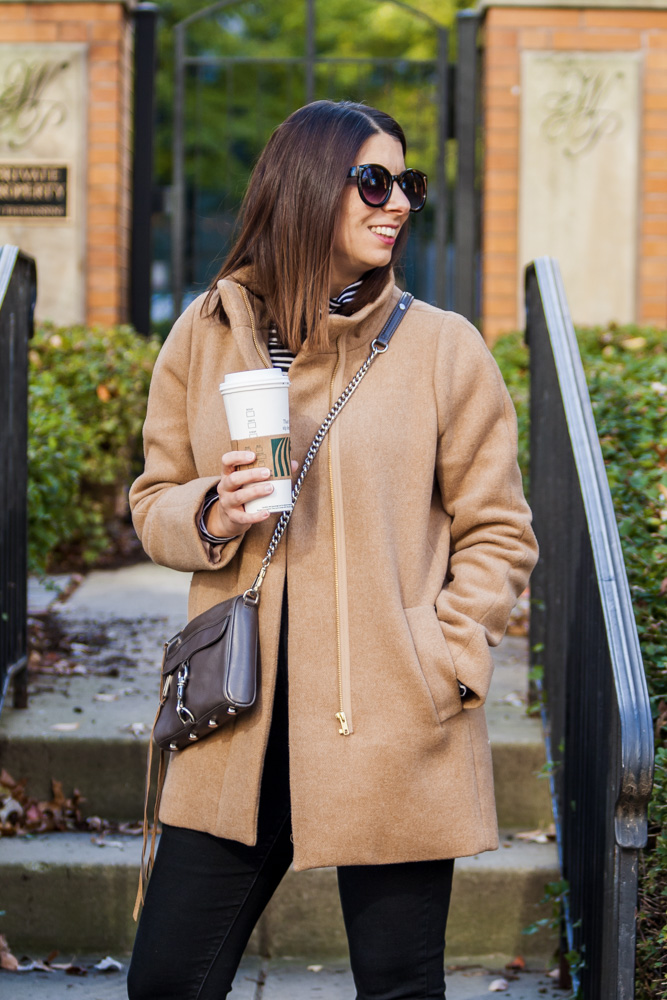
x=87, y=400
x=626, y=370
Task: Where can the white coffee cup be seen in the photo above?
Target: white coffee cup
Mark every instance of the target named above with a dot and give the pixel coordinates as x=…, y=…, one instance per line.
x=257, y=408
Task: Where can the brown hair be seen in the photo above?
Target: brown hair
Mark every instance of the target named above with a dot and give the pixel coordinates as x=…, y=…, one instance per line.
x=289, y=213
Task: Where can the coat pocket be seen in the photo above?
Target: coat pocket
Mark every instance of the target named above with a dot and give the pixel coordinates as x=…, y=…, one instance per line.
x=435, y=660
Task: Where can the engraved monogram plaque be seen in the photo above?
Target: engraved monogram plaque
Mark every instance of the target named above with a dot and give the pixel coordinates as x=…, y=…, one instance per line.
x=578, y=188
x=43, y=168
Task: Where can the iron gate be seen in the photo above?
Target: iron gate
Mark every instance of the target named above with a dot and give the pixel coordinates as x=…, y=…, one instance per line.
x=249, y=95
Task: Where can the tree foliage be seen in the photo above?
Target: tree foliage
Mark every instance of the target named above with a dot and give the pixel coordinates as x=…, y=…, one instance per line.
x=232, y=109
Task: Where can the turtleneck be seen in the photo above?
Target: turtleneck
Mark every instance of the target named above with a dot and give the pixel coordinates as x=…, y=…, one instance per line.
x=281, y=357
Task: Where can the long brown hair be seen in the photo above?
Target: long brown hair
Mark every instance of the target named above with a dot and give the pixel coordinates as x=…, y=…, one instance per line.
x=289, y=213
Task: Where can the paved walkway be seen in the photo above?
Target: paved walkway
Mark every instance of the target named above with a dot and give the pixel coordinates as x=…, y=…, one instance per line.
x=275, y=980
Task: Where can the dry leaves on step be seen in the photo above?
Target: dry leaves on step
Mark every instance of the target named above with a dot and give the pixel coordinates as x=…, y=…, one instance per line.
x=108, y=964
x=21, y=813
x=7, y=960
x=498, y=985
x=518, y=964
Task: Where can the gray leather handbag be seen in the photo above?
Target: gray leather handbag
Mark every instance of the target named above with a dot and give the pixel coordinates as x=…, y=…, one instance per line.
x=209, y=673
x=210, y=668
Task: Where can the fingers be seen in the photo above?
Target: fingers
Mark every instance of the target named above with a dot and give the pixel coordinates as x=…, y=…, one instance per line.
x=231, y=459
x=237, y=487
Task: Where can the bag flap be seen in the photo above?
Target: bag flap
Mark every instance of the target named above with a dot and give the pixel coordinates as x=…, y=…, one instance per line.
x=199, y=633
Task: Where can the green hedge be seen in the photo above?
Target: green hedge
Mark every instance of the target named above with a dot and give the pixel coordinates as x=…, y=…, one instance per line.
x=626, y=369
x=87, y=400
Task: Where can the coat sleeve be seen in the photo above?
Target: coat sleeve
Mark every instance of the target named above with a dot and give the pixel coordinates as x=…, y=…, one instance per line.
x=493, y=548
x=167, y=498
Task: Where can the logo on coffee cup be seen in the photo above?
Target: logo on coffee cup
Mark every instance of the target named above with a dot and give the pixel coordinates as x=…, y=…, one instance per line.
x=281, y=457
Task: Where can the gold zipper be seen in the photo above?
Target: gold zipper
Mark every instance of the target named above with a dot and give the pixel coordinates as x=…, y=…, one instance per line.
x=252, y=327
x=340, y=716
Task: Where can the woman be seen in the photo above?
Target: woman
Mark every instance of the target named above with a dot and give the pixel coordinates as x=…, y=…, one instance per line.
x=403, y=559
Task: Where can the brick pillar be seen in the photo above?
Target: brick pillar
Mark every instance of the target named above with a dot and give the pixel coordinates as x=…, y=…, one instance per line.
x=95, y=39
x=512, y=28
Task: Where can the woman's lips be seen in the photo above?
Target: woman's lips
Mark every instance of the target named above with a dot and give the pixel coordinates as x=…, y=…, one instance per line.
x=387, y=234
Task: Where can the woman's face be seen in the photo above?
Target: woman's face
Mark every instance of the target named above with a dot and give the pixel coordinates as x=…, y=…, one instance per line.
x=359, y=244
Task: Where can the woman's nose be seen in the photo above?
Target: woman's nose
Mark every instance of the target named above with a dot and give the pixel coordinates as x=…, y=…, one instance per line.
x=398, y=202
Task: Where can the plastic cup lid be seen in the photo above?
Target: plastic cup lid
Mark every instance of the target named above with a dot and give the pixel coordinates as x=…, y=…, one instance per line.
x=262, y=378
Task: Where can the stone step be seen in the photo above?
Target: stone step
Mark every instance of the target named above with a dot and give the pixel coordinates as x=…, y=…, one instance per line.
x=274, y=979
x=110, y=710
x=62, y=891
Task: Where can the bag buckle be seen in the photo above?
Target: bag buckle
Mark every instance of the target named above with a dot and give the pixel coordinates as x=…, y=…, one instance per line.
x=184, y=714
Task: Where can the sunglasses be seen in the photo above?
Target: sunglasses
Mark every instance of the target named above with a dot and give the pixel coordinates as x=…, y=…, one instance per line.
x=375, y=185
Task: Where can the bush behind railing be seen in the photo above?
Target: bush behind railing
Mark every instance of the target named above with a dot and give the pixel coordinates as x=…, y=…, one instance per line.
x=87, y=402
x=626, y=371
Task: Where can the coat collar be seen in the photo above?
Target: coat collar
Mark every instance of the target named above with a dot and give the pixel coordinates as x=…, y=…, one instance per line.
x=359, y=328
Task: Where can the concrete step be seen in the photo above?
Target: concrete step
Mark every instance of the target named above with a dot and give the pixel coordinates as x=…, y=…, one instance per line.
x=275, y=979
x=62, y=891
x=112, y=704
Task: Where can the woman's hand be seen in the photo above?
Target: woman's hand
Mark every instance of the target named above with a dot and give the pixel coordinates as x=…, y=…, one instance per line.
x=237, y=487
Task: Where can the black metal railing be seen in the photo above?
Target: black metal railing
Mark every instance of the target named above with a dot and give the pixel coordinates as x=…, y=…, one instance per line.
x=595, y=702
x=18, y=288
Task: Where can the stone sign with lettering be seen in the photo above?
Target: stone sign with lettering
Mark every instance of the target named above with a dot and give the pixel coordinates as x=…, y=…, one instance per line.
x=43, y=168
x=579, y=163
x=28, y=191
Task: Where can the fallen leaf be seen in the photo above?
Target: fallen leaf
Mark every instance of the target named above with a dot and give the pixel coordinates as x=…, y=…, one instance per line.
x=516, y=963
x=315, y=968
x=108, y=964
x=105, y=697
x=103, y=842
x=76, y=970
x=136, y=728
x=10, y=808
x=65, y=727
x=514, y=698
x=7, y=960
x=554, y=974
x=498, y=985
x=538, y=836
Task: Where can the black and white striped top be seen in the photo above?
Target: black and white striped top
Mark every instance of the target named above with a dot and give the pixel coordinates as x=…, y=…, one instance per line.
x=280, y=356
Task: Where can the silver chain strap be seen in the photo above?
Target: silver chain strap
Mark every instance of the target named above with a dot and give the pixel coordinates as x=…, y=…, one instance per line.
x=251, y=596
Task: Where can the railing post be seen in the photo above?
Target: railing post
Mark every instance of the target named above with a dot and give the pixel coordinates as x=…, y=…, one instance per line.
x=467, y=215
x=18, y=287
x=145, y=21
x=441, y=193
x=178, y=174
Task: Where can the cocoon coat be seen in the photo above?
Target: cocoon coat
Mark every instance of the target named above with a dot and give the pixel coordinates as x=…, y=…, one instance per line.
x=405, y=554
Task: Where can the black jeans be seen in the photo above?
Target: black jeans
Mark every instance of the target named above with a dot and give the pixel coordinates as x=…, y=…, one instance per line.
x=206, y=894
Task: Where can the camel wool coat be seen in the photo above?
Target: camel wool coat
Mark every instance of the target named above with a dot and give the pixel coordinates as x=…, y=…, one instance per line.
x=407, y=549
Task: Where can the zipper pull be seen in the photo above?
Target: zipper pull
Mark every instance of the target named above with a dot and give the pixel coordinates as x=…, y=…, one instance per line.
x=344, y=731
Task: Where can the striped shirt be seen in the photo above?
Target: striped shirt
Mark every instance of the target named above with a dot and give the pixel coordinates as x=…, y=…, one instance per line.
x=281, y=357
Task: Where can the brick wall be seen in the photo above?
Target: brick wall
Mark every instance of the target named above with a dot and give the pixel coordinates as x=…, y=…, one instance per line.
x=508, y=32
x=105, y=28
